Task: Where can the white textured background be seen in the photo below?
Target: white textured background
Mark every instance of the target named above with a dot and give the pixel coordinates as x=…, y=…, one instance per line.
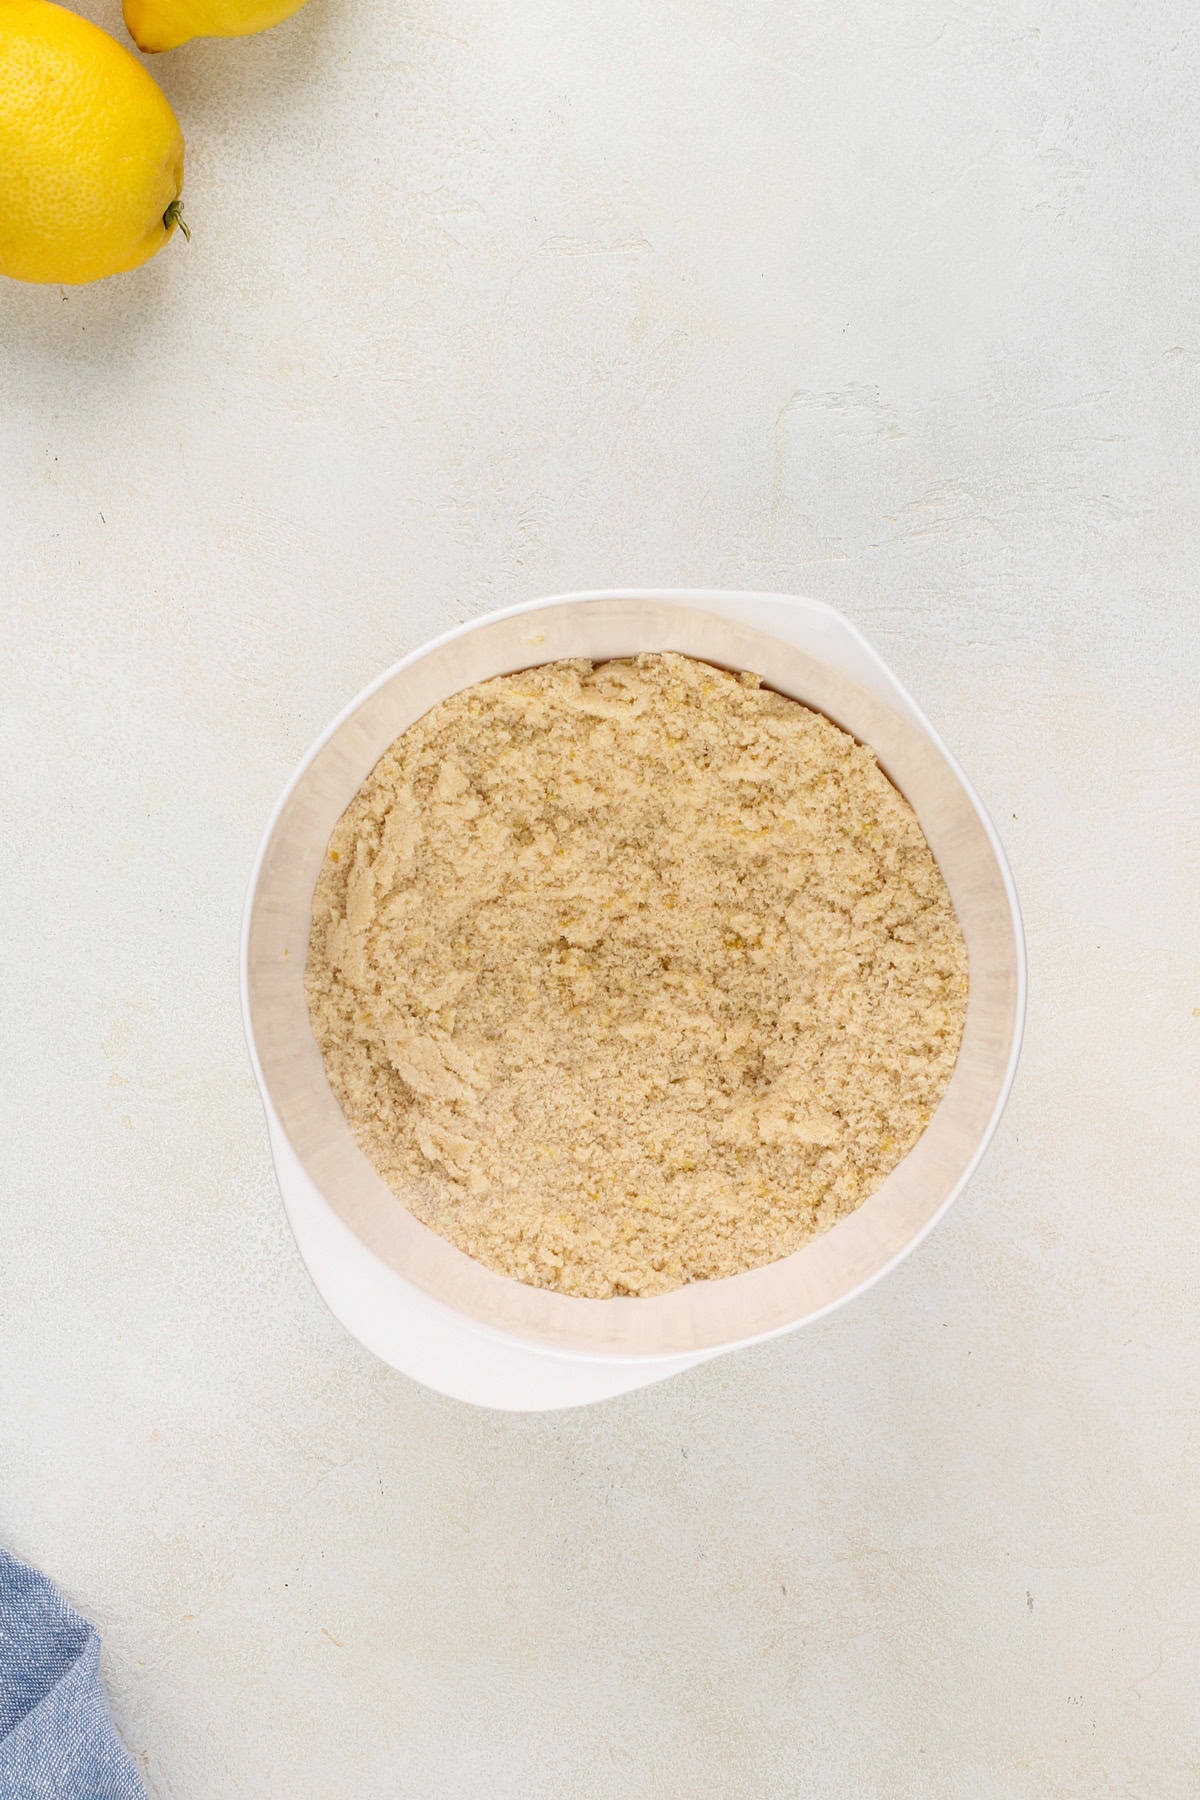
x=894, y=302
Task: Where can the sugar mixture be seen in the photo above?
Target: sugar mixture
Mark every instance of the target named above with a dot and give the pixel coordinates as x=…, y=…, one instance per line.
x=633, y=974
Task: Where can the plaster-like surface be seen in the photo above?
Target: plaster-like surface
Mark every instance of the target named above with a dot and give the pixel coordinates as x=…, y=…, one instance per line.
x=890, y=303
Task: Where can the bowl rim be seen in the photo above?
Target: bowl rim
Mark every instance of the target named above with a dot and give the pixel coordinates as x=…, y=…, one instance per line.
x=700, y=600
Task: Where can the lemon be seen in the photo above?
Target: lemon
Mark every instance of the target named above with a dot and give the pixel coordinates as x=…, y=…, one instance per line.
x=91, y=156
x=163, y=24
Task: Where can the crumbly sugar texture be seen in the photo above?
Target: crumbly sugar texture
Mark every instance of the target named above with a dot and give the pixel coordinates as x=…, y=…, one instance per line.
x=634, y=974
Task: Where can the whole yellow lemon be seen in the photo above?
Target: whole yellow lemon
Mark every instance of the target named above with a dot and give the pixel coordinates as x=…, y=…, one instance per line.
x=91, y=156
x=164, y=24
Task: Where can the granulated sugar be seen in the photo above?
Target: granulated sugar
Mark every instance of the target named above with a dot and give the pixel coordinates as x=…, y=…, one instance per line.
x=632, y=975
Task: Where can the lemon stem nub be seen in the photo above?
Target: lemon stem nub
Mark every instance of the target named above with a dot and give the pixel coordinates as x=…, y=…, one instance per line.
x=174, y=216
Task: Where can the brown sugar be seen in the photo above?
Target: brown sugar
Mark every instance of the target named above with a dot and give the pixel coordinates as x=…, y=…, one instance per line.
x=633, y=974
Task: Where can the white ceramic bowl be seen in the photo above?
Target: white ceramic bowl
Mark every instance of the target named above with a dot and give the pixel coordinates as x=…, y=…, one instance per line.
x=412, y=1297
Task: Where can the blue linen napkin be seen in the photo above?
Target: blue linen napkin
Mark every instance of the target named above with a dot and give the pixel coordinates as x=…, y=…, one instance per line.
x=57, y=1738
